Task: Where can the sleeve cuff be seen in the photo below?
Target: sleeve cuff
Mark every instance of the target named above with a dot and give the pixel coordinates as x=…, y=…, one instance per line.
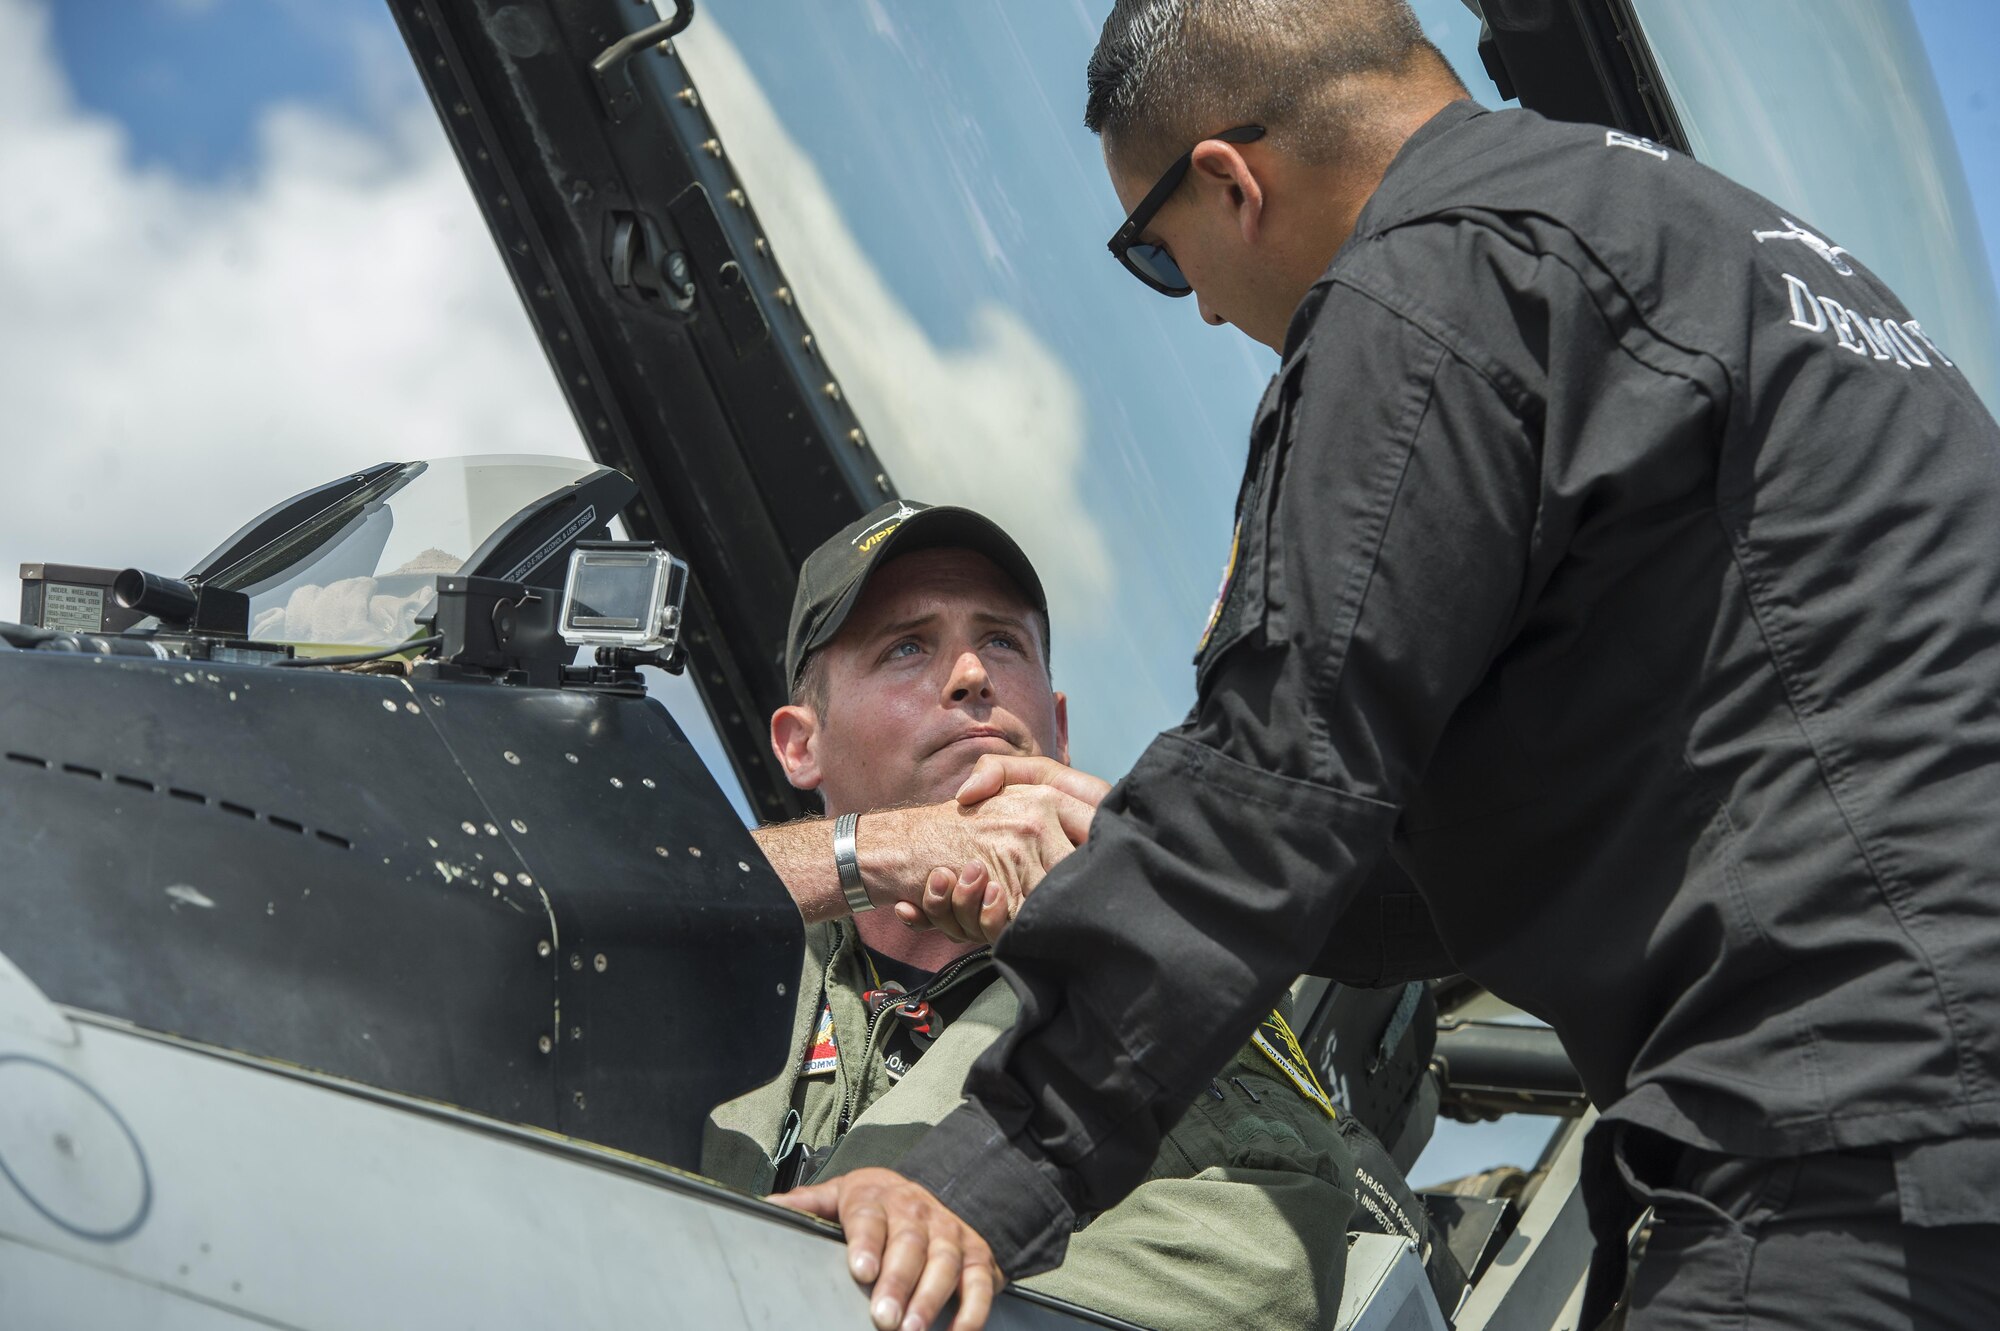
x=998, y=1186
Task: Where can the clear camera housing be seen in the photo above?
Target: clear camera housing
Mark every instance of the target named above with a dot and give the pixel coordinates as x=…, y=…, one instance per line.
x=623, y=594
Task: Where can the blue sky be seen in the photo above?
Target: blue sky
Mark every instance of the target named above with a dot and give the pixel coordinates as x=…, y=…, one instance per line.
x=188, y=77
x=1962, y=38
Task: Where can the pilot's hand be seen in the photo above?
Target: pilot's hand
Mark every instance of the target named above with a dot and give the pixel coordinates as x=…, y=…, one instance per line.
x=910, y=1249
x=994, y=772
x=964, y=903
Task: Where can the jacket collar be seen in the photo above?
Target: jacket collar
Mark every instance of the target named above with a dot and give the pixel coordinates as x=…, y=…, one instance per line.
x=1406, y=169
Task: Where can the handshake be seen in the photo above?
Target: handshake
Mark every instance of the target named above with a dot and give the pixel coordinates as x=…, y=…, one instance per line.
x=1013, y=820
x=962, y=867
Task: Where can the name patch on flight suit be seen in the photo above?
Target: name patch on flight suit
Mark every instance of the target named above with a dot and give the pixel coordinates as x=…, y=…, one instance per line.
x=906, y=1026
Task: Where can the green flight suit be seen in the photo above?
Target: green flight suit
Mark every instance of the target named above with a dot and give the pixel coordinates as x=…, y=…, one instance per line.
x=1242, y=1219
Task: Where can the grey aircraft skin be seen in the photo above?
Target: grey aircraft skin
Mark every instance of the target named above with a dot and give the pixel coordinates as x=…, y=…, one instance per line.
x=378, y=994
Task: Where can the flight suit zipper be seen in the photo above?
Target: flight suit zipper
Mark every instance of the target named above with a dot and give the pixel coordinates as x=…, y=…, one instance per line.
x=931, y=988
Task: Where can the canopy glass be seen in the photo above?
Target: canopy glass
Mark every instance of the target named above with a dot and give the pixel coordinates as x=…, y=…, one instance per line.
x=1828, y=108
x=926, y=179
x=359, y=574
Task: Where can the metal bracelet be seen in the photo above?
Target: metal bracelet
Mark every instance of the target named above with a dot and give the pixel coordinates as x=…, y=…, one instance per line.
x=848, y=866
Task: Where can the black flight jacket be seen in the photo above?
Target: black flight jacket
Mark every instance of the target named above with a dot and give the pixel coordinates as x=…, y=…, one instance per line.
x=1618, y=563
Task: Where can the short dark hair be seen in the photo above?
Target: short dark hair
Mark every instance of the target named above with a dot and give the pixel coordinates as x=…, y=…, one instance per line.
x=1168, y=72
x=812, y=689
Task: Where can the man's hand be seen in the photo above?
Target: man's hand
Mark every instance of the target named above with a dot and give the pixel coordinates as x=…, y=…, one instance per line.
x=1017, y=838
x=910, y=1248
x=962, y=903
x=994, y=772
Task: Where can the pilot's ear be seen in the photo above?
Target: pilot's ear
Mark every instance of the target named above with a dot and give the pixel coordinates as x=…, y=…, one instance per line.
x=793, y=729
x=1062, y=728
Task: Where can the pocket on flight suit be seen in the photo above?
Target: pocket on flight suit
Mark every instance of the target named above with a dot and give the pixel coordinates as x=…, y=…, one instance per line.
x=1707, y=1211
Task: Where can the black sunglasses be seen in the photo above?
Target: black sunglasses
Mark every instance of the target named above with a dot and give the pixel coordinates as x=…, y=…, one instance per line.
x=1151, y=263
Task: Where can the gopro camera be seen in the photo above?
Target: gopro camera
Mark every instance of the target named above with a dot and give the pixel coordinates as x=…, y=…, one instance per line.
x=623, y=594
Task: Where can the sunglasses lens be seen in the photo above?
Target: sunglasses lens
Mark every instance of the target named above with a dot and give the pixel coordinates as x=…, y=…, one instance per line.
x=1158, y=267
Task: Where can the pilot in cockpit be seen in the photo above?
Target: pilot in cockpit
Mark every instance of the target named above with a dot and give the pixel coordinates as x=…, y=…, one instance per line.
x=919, y=649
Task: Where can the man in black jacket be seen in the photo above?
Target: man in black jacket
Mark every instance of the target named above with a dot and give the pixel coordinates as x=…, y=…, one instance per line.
x=1618, y=554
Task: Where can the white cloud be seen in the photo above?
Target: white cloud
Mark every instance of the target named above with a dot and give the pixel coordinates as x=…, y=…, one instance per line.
x=175, y=356
x=997, y=423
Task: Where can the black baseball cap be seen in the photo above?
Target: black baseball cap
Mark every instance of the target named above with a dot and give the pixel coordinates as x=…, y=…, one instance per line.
x=833, y=576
